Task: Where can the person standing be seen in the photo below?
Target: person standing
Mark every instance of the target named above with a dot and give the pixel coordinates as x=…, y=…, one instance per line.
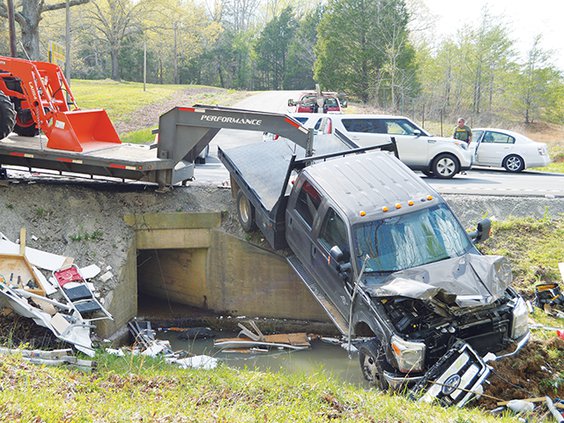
x=462, y=132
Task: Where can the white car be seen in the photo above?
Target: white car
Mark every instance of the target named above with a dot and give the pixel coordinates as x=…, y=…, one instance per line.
x=508, y=149
x=434, y=156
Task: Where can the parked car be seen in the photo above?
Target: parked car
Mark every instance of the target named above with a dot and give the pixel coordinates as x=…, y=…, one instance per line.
x=308, y=120
x=311, y=102
x=502, y=148
x=435, y=156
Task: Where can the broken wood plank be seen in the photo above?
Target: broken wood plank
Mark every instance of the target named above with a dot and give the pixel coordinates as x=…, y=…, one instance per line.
x=537, y=399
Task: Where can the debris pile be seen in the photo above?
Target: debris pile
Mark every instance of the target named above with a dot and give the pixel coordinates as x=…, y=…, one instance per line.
x=64, y=302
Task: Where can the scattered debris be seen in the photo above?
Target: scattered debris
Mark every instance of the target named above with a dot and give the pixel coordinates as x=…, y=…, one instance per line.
x=204, y=362
x=196, y=333
x=50, y=358
x=549, y=298
x=64, y=305
x=291, y=341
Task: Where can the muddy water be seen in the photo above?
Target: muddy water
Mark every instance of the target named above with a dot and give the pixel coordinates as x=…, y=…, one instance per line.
x=331, y=359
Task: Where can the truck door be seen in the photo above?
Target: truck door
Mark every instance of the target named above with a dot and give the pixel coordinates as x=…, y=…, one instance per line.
x=300, y=217
x=332, y=232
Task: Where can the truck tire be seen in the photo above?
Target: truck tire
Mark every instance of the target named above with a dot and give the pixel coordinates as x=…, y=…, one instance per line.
x=7, y=115
x=445, y=166
x=514, y=163
x=245, y=212
x=372, y=363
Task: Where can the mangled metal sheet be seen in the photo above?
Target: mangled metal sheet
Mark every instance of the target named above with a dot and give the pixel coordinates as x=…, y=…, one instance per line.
x=464, y=281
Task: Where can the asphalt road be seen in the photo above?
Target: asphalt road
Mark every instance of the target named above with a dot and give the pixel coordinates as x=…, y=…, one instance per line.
x=479, y=181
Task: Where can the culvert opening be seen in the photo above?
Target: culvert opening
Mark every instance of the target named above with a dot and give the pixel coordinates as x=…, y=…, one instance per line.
x=171, y=283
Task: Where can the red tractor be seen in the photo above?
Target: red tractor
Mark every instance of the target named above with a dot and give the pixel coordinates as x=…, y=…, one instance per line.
x=33, y=98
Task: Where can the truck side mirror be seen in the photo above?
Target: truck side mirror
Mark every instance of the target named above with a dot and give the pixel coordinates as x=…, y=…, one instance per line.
x=337, y=254
x=482, y=232
x=417, y=133
x=291, y=103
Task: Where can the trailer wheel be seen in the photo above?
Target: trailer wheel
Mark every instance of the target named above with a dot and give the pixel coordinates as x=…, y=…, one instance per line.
x=245, y=212
x=372, y=363
x=7, y=115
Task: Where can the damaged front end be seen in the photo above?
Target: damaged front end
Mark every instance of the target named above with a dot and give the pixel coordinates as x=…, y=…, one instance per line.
x=439, y=312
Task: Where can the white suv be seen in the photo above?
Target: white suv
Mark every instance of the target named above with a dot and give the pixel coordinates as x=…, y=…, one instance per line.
x=434, y=156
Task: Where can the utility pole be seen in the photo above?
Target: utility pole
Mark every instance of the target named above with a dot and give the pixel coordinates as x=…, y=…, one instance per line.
x=68, y=45
x=144, y=65
x=175, y=53
x=12, y=27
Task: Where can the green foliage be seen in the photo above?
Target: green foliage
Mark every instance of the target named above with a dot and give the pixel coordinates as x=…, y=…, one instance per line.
x=84, y=236
x=272, y=50
x=142, y=136
x=363, y=49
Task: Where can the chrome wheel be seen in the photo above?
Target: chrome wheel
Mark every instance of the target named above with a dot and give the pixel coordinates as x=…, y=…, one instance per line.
x=445, y=166
x=514, y=163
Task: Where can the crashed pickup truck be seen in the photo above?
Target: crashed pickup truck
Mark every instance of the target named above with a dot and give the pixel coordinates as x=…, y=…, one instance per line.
x=385, y=256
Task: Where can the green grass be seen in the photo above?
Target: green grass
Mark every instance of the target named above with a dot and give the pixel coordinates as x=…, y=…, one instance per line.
x=534, y=247
x=142, y=136
x=119, y=99
x=556, y=153
x=141, y=389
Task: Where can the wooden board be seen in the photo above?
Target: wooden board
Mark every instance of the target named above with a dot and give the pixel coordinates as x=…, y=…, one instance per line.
x=16, y=271
x=295, y=341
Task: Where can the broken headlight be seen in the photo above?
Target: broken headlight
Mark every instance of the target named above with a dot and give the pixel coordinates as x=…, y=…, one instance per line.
x=520, y=322
x=410, y=355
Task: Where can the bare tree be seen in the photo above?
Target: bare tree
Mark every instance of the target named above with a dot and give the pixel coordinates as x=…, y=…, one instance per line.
x=28, y=16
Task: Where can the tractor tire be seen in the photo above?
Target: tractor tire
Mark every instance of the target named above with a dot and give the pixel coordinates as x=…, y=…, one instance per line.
x=245, y=212
x=25, y=125
x=26, y=131
x=7, y=115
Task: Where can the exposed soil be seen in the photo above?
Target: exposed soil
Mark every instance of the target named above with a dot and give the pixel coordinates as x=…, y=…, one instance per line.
x=148, y=116
x=530, y=374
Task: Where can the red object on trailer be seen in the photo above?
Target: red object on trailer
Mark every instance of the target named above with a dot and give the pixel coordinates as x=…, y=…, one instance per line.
x=38, y=91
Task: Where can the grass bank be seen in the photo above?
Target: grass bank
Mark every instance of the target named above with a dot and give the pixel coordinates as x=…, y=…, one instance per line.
x=534, y=247
x=136, y=389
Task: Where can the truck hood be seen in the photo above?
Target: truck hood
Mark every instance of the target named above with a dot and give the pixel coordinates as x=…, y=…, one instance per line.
x=465, y=281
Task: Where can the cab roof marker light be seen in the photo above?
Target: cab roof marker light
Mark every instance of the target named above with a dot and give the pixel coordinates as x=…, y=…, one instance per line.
x=398, y=206
x=362, y=213
x=429, y=197
x=385, y=209
x=410, y=203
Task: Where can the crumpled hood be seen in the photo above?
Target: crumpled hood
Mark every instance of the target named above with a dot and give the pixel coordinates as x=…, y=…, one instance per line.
x=465, y=281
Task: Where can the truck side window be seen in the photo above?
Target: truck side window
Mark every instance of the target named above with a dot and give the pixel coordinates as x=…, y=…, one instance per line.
x=307, y=203
x=334, y=232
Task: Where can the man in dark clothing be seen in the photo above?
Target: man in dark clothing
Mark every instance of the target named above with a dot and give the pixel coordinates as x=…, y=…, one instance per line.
x=462, y=132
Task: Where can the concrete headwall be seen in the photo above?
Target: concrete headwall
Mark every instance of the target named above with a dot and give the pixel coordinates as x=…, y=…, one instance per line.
x=187, y=258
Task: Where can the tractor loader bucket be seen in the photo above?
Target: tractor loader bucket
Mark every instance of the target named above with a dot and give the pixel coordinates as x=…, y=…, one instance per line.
x=80, y=130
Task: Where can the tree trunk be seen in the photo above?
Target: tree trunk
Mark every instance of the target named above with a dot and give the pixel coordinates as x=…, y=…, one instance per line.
x=114, y=52
x=29, y=24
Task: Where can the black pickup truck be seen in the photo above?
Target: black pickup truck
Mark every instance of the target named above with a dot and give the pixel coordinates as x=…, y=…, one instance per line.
x=383, y=254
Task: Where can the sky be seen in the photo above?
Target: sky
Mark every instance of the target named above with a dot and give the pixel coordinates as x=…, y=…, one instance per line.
x=524, y=18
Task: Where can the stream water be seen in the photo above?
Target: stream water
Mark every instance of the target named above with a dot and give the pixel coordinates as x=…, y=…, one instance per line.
x=321, y=357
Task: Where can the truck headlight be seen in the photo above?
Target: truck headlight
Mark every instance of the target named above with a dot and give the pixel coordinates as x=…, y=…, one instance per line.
x=520, y=323
x=410, y=356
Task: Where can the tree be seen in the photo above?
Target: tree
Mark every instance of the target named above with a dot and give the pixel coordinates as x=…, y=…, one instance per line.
x=356, y=38
x=272, y=49
x=28, y=16
x=540, y=86
x=301, y=52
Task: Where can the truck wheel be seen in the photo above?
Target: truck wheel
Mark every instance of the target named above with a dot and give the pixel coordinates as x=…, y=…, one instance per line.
x=245, y=212
x=513, y=163
x=7, y=115
x=445, y=166
x=372, y=363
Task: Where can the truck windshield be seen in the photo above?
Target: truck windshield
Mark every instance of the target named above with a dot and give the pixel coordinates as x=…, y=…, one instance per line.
x=410, y=240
